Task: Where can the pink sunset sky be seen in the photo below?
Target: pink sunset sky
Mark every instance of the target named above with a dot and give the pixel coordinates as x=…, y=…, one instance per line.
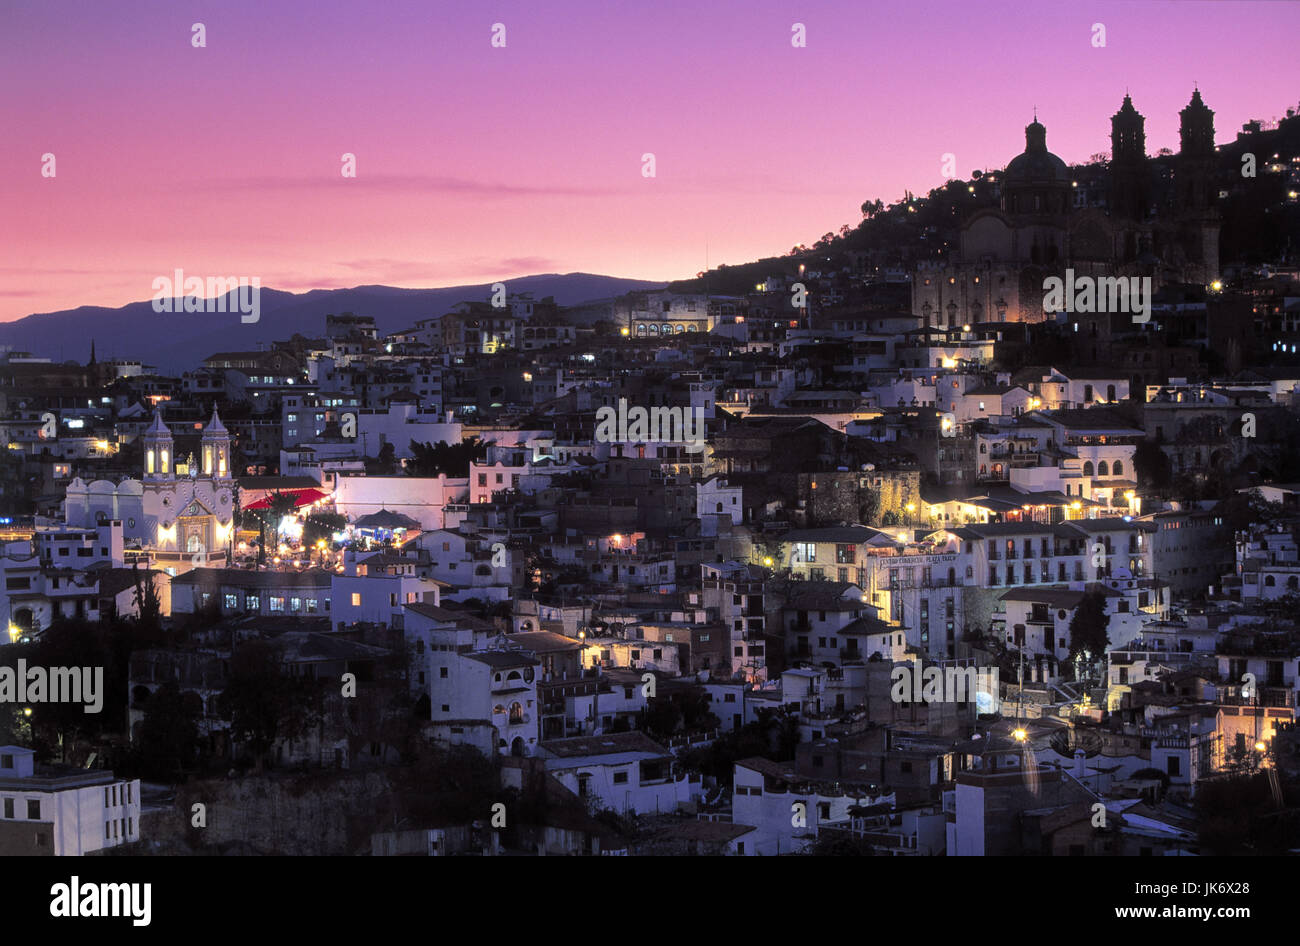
x=477, y=163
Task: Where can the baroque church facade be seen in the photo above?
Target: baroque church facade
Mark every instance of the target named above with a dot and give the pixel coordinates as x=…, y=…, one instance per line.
x=1006, y=253
x=181, y=512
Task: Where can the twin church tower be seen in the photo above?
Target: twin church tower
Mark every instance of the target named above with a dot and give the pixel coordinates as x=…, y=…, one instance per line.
x=181, y=510
x=1141, y=217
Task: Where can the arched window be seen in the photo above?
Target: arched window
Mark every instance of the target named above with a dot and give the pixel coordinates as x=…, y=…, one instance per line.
x=1269, y=581
x=1087, y=468
x=1118, y=468
x=654, y=329
x=640, y=329
x=516, y=712
x=719, y=507
x=1103, y=468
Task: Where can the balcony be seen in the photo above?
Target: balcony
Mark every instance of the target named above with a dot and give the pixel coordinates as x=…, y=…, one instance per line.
x=1280, y=696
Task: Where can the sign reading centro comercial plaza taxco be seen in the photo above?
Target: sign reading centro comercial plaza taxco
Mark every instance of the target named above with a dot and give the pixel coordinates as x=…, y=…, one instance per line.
x=914, y=559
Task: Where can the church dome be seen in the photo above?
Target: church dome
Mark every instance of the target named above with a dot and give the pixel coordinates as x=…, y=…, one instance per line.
x=1036, y=165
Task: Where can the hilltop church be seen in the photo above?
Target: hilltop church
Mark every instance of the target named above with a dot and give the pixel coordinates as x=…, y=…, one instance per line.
x=1005, y=254
x=180, y=511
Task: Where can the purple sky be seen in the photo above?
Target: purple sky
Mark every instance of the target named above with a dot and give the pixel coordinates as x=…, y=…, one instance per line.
x=476, y=164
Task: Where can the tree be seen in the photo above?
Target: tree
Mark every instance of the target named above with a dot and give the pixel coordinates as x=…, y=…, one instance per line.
x=772, y=736
x=278, y=506
x=450, y=459
x=76, y=642
x=386, y=463
x=1243, y=510
x=1152, y=467
x=869, y=508
x=1088, y=626
x=662, y=718
x=322, y=525
x=148, y=607
x=264, y=703
x=1239, y=815
x=169, y=735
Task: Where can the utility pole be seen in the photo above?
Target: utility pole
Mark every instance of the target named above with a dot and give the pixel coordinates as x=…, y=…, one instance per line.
x=1020, y=690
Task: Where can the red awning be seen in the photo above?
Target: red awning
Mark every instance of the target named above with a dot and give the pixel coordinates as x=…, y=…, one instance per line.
x=301, y=497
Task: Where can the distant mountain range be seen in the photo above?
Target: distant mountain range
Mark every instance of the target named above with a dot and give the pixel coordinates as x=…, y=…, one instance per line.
x=178, y=341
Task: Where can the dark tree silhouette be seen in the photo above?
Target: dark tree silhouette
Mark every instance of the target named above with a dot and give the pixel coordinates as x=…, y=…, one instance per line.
x=1088, y=626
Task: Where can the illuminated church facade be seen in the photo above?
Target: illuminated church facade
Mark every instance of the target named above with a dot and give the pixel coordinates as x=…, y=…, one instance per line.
x=180, y=511
x=1006, y=253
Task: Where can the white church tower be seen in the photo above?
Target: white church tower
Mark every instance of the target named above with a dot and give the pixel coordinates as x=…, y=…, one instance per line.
x=215, y=447
x=158, y=451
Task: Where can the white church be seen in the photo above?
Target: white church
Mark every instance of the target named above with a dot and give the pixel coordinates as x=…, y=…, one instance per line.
x=180, y=512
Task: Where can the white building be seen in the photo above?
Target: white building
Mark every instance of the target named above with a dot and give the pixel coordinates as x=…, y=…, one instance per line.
x=420, y=498
x=488, y=479
x=626, y=772
x=62, y=810
x=402, y=423
x=713, y=497
x=375, y=588
x=786, y=809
